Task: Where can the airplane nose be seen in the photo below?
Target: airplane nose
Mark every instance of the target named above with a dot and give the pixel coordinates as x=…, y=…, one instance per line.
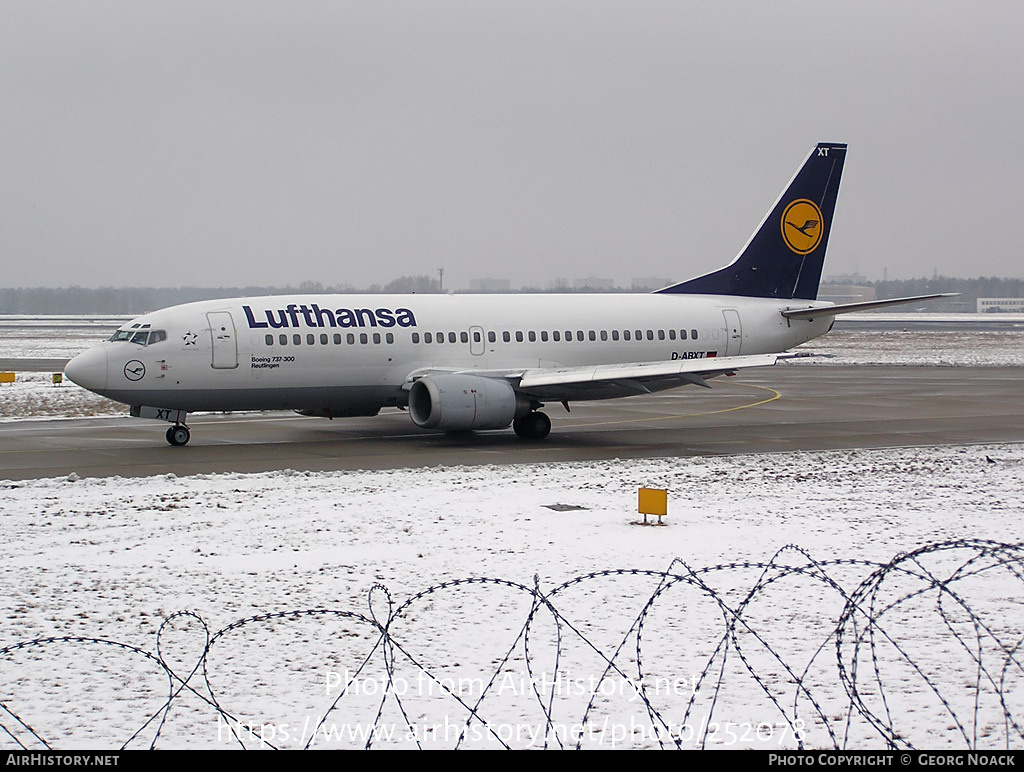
x=89, y=369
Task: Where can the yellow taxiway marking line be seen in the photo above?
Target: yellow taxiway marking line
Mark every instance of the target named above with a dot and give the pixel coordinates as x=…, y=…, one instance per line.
x=775, y=395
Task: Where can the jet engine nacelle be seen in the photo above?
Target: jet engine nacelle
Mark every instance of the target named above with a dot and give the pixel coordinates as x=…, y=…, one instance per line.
x=463, y=402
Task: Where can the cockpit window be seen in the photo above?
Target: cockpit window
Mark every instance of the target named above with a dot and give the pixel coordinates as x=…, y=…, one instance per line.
x=139, y=337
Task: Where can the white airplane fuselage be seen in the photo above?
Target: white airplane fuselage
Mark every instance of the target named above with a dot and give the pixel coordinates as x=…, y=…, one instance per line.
x=353, y=354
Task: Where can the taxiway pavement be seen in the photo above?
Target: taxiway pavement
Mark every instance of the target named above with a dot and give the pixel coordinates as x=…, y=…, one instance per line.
x=785, y=408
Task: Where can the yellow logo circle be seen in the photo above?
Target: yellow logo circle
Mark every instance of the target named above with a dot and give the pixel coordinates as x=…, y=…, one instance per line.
x=802, y=226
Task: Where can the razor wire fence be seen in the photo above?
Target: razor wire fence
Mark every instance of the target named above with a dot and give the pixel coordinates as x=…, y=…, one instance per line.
x=796, y=652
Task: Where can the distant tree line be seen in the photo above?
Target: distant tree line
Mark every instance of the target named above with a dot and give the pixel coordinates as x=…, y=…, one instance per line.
x=134, y=300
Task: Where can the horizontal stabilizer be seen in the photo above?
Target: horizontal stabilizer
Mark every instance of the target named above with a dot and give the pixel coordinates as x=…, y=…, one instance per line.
x=846, y=308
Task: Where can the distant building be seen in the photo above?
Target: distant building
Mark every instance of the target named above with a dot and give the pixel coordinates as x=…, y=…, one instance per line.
x=855, y=279
x=1000, y=305
x=489, y=285
x=846, y=293
x=648, y=283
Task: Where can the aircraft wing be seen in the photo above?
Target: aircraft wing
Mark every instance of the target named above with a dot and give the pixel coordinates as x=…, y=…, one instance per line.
x=619, y=380
x=614, y=380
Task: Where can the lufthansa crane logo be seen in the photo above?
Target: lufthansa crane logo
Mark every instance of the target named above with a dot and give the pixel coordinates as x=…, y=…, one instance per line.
x=802, y=226
x=134, y=370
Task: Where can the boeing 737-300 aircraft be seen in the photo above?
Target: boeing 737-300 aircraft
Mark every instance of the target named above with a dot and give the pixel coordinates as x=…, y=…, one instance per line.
x=465, y=362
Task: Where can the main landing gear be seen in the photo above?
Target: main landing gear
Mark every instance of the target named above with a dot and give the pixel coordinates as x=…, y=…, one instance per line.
x=178, y=435
x=533, y=426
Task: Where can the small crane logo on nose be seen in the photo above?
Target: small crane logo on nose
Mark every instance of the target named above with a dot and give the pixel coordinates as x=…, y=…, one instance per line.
x=134, y=370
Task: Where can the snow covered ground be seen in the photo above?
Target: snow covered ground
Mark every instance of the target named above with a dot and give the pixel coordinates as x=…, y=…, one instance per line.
x=735, y=637
x=964, y=347
x=844, y=599
x=53, y=336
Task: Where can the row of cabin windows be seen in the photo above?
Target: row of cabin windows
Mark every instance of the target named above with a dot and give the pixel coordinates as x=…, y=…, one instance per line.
x=351, y=338
x=463, y=337
x=557, y=336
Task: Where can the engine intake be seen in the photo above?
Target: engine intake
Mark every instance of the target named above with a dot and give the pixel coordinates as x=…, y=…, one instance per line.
x=464, y=402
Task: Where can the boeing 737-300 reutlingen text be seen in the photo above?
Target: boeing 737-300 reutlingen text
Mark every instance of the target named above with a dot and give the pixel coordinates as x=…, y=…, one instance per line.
x=466, y=362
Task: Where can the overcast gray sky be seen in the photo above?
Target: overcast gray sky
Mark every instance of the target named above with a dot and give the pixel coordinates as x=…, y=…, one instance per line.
x=235, y=143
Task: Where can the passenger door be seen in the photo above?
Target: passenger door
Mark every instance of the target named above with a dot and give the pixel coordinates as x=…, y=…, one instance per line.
x=223, y=339
x=733, y=332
